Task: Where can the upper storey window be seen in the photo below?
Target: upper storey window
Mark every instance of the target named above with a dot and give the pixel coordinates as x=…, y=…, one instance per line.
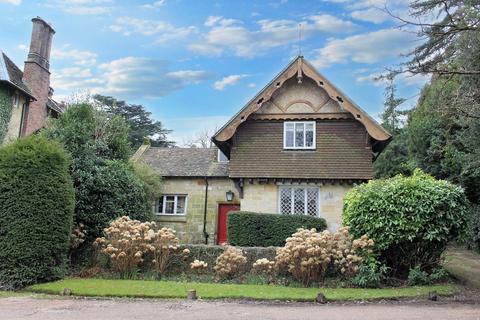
x=299, y=135
x=221, y=157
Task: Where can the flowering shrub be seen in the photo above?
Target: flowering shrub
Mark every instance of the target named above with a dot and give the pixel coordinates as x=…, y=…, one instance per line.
x=162, y=244
x=124, y=243
x=230, y=263
x=198, y=266
x=77, y=236
x=128, y=241
x=264, y=267
x=347, y=253
x=307, y=254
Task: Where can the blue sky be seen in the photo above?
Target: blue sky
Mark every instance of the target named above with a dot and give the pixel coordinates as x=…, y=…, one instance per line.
x=193, y=64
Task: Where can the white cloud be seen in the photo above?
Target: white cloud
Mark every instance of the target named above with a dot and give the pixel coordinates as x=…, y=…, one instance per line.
x=165, y=31
x=374, y=15
x=128, y=77
x=14, y=2
x=230, y=35
x=252, y=85
x=80, y=7
x=407, y=79
x=328, y=23
x=154, y=5
x=365, y=48
x=79, y=57
x=212, y=20
x=228, y=81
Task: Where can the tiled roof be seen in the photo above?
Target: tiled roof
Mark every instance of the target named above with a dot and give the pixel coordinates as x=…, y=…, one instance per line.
x=185, y=162
x=9, y=72
x=54, y=105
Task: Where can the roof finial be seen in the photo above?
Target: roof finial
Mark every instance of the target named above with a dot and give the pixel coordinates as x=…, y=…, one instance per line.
x=300, y=26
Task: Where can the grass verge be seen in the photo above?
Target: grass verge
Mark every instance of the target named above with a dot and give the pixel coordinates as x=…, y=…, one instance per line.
x=172, y=289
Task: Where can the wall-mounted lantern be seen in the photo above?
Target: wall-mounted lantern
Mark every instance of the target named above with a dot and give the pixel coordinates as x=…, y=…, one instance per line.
x=229, y=195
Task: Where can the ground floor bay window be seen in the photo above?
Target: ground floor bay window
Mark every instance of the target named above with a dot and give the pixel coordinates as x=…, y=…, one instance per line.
x=299, y=200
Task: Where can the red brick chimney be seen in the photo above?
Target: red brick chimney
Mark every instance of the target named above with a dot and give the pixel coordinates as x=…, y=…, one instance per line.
x=37, y=75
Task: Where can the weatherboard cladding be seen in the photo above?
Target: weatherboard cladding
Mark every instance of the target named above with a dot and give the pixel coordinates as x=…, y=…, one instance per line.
x=341, y=152
x=185, y=162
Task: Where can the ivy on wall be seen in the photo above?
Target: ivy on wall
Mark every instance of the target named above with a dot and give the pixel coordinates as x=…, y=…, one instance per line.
x=6, y=106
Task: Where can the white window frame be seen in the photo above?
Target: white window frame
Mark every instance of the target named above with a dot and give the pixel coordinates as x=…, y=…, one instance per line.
x=16, y=100
x=314, y=144
x=219, y=152
x=174, y=205
x=292, y=203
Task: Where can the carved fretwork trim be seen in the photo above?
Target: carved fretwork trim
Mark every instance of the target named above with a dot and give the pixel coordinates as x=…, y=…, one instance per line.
x=300, y=68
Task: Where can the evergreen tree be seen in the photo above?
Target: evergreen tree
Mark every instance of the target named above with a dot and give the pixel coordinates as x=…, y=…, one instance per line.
x=140, y=121
x=394, y=159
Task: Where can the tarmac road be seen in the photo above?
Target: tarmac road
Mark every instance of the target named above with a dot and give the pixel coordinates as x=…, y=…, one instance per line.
x=119, y=309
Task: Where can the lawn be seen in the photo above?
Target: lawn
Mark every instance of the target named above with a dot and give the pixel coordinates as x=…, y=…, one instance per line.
x=172, y=289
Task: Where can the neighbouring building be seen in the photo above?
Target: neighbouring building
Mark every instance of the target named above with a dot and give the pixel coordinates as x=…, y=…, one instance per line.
x=296, y=148
x=26, y=96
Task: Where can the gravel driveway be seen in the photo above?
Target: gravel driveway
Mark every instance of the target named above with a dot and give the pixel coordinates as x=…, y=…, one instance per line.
x=118, y=309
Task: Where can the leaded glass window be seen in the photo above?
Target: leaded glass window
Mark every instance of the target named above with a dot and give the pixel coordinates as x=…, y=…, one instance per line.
x=299, y=200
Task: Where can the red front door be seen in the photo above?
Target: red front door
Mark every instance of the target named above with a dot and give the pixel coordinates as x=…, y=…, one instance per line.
x=223, y=210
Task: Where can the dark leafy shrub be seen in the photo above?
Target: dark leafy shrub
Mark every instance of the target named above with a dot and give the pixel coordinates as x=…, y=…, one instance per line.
x=411, y=219
x=472, y=234
x=113, y=190
x=36, y=211
x=106, y=185
x=438, y=275
x=251, y=229
x=371, y=274
x=417, y=277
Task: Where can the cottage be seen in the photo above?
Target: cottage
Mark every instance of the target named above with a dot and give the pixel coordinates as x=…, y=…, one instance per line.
x=26, y=96
x=296, y=148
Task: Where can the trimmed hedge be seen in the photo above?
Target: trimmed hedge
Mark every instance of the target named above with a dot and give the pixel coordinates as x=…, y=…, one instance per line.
x=250, y=229
x=36, y=212
x=411, y=219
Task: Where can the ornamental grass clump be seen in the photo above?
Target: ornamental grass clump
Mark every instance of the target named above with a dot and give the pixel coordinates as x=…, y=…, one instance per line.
x=308, y=254
x=230, y=263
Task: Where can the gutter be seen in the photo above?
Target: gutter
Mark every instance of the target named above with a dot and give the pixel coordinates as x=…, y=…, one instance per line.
x=205, y=234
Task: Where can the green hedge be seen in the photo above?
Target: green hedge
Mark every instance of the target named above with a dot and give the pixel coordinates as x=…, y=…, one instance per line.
x=411, y=219
x=249, y=229
x=36, y=211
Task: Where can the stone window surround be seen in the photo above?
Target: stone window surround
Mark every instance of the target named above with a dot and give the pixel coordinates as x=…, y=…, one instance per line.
x=299, y=186
x=162, y=214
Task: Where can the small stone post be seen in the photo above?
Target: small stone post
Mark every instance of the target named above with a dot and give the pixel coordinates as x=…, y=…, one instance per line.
x=192, y=294
x=432, y=295
x=321, y=298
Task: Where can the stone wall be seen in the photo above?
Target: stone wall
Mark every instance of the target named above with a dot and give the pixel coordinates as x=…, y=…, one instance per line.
x=264, y=198
x=257, y=198
x=190, y=227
